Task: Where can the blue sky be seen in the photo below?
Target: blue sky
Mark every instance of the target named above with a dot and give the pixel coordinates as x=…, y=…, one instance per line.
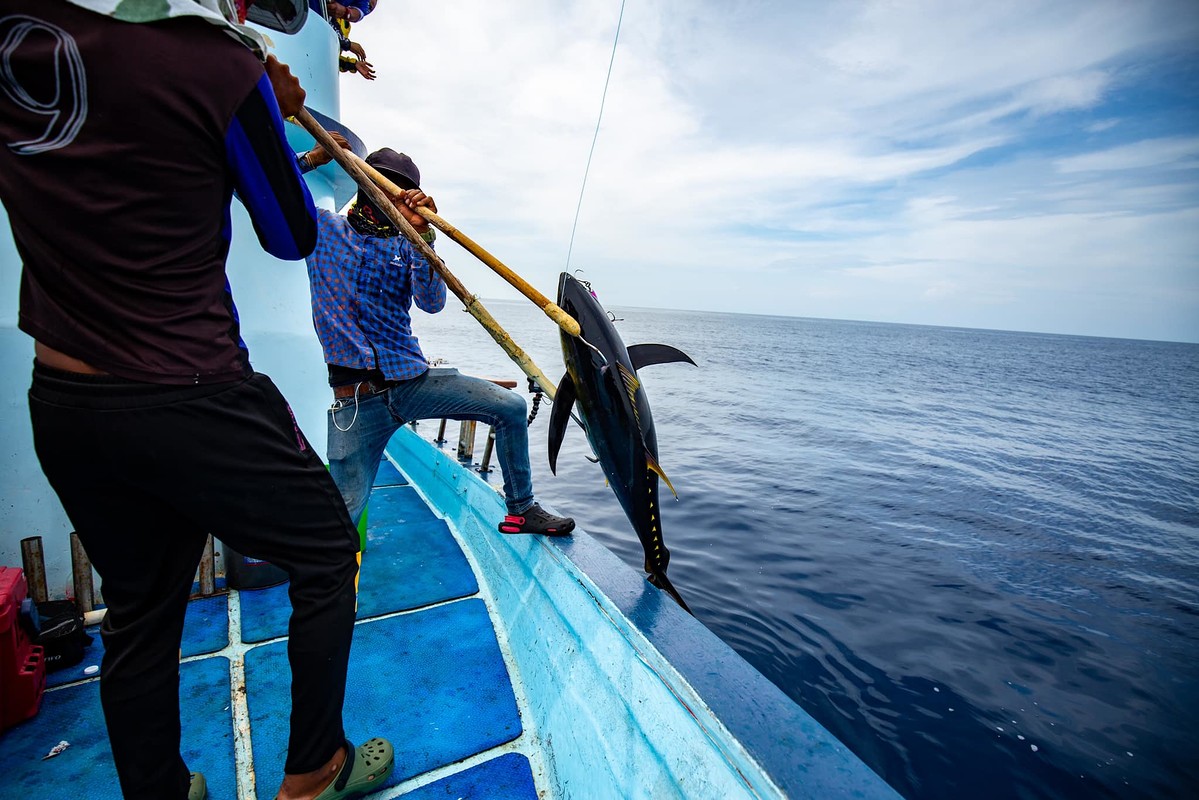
x=1017, y=165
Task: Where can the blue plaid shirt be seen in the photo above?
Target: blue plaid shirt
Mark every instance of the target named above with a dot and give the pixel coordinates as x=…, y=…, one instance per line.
x=362, y=290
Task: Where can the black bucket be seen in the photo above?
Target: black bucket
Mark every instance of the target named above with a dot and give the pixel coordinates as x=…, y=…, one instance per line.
x=243, y=572
x=61, y=634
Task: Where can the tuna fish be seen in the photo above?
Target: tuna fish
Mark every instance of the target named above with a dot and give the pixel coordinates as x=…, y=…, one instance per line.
x=601, y=380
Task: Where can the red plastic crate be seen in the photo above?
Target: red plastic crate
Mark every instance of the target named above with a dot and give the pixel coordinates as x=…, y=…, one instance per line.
x=22, y=667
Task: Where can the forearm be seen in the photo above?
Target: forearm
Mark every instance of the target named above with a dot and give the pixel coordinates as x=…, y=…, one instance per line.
x=267, y=177
x=356, y=10
x=428, y=288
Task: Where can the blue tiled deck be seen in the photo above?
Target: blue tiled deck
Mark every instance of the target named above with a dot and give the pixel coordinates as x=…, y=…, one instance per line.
x=426, y=671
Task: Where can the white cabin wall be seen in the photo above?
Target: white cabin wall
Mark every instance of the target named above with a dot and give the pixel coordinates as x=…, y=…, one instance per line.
x=28, y=507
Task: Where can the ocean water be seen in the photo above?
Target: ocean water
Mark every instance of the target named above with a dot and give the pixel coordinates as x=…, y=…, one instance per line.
x=971, y=555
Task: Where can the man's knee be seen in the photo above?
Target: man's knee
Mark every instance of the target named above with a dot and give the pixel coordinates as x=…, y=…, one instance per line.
x=512, y=408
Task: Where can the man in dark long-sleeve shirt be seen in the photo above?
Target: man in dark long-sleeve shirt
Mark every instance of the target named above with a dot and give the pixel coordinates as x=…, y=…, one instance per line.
x=148, y=420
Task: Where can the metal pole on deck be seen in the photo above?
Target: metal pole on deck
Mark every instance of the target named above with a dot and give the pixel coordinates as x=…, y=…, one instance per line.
x=485, y=467
x=34, y=564
x=81, y=574
x=208, y=569
x=466, y=441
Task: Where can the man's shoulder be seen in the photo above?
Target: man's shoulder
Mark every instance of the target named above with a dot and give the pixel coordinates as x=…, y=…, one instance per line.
x=332, y=221
x=334, y=233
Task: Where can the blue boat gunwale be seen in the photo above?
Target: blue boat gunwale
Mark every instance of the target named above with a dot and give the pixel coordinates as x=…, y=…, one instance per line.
x=775, y=746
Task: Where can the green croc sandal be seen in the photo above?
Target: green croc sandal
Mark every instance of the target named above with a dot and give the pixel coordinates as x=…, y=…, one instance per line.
x=198, y=789
x=364, y=770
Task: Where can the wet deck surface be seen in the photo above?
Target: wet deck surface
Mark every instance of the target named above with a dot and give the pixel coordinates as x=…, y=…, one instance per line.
x=426, y=672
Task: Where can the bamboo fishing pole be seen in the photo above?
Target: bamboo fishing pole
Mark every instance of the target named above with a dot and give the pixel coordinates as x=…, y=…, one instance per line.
x=565, y=321
x=472, y=303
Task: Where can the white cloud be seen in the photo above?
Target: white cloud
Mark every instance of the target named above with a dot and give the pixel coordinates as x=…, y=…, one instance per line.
x=1064, y=92
x=1177, y=152
x=838, y=148
x=1102, y=125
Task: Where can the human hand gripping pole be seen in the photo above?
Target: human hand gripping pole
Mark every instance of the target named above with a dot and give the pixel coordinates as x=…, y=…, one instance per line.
x=350, y=163
x=565, y=321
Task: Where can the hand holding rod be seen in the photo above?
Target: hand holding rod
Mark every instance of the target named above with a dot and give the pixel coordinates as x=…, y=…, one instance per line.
x=565, y=321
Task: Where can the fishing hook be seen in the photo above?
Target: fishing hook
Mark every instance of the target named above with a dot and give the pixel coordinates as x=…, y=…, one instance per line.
x=592, y=347
x=587, y=284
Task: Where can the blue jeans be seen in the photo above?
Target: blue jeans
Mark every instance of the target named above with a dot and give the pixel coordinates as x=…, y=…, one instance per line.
x=358, y=432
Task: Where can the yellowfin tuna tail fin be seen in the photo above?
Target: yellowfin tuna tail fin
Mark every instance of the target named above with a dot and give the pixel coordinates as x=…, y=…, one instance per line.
x=652, y=464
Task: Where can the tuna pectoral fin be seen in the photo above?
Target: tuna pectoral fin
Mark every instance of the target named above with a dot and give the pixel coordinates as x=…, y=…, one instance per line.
x=660, y=580
x=564, y=400
x=643, y=355
x=652, y=464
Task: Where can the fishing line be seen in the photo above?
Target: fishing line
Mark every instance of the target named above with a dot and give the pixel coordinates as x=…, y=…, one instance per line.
x=595, y=136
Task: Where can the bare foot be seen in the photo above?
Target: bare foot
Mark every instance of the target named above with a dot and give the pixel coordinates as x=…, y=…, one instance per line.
x=307, y=785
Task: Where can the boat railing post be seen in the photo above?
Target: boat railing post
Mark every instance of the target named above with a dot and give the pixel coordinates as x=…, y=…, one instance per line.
x=81, y=575
x=34, y=564
x=440, y=440
x=485, y=467
x=466, y=441
x=208, y=569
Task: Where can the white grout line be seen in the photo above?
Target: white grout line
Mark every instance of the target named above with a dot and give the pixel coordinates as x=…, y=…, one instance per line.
x=72, y=684
x=235, y=652
x=243, y=751
x=448, y=770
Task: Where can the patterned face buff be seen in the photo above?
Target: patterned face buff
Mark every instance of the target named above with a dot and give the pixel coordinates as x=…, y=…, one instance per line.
x=364, y=218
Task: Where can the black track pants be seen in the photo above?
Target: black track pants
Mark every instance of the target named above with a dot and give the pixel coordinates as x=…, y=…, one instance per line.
x=145, y=472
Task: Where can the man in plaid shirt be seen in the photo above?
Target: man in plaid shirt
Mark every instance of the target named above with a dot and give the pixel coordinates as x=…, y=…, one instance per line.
x=365, y=276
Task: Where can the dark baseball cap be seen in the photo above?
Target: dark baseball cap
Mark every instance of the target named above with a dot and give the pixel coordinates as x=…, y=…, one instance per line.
x=396, y=166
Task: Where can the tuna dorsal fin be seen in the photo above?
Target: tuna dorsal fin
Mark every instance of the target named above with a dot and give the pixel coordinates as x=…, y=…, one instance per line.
x=652, y=464
x=564, y=400
x=643, y=355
